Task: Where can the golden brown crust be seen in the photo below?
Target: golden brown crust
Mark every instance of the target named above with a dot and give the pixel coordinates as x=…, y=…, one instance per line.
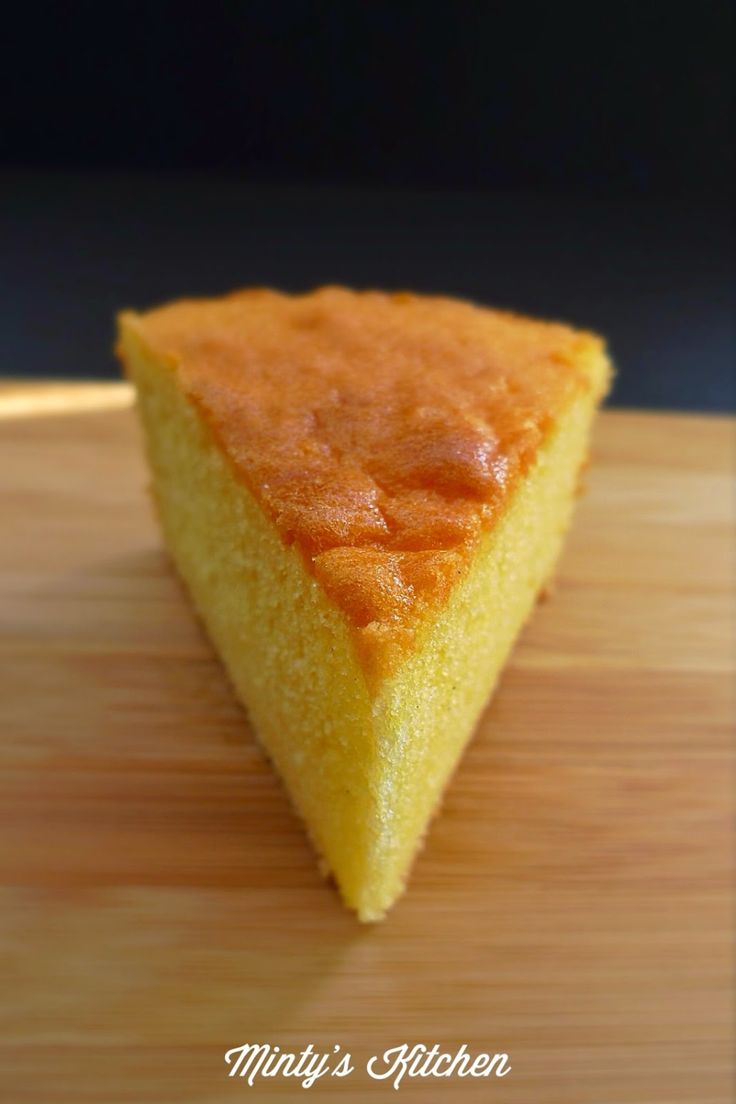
x=381, y=433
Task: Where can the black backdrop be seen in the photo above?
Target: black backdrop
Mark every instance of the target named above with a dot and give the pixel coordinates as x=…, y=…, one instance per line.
x=574, y=160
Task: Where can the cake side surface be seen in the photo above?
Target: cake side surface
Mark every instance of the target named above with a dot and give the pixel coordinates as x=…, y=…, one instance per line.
x=426, y=712
x=286, y=648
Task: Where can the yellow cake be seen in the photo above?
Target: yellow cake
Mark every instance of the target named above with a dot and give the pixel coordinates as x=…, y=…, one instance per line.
x=364, y=494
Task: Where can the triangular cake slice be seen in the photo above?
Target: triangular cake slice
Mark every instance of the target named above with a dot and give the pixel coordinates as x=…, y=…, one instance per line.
x=364, y=494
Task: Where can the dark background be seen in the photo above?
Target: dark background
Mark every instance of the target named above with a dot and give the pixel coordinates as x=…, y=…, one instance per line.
x=565, y=160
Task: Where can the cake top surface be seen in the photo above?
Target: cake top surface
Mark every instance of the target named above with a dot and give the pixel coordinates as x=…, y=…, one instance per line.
x=382, y=433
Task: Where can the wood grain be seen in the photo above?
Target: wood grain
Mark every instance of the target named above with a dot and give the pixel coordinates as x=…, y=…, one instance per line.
x=159, y=901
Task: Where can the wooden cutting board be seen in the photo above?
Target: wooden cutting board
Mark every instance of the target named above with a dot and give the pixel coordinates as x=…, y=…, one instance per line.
x=160, y=904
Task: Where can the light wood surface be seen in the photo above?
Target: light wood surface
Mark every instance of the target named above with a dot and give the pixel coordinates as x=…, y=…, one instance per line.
x=159, y=902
